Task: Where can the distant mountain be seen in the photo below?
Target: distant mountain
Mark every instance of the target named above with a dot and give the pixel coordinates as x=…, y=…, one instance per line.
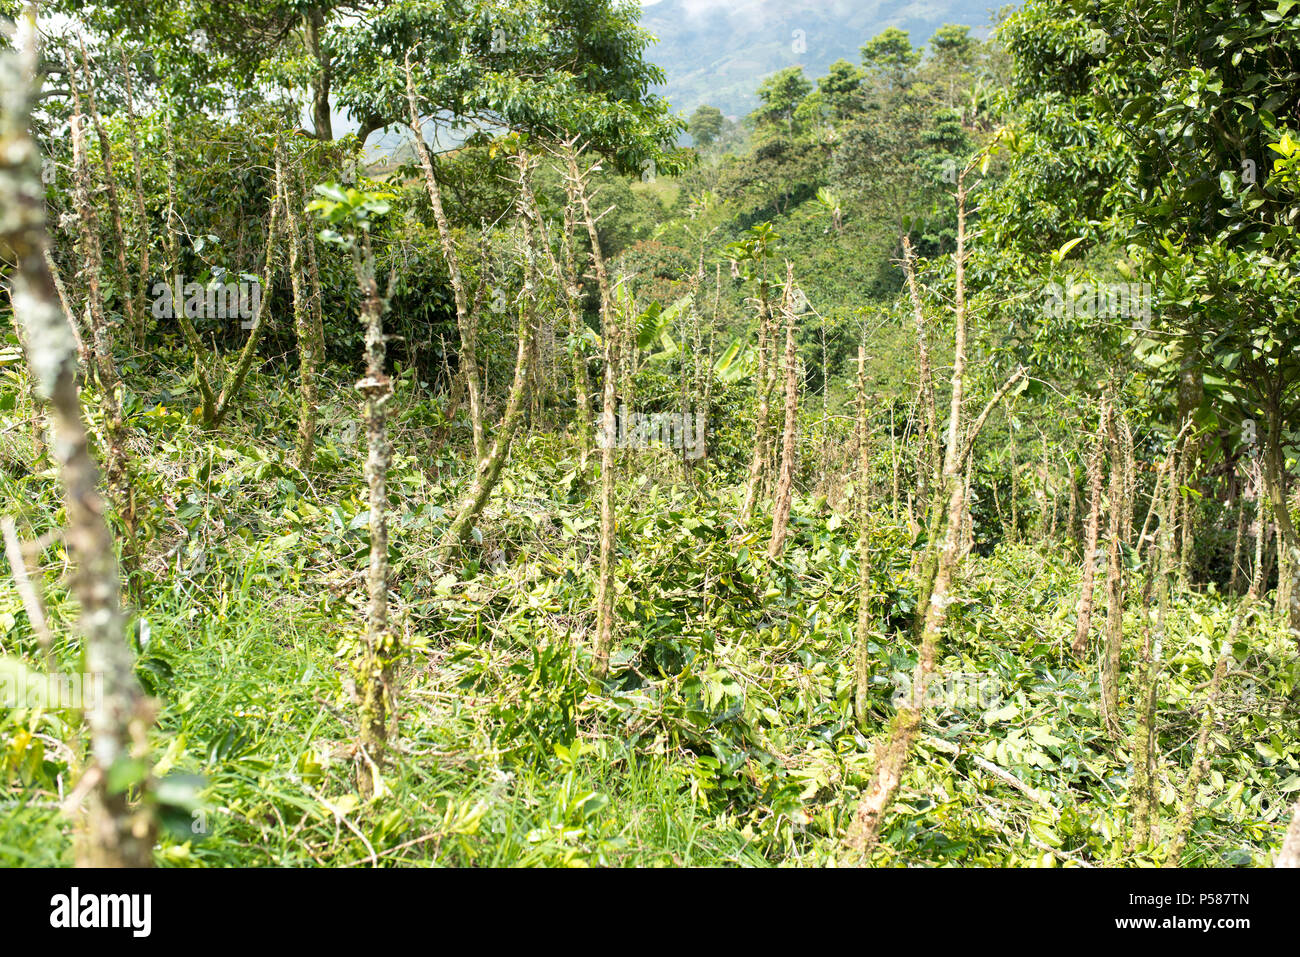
x=718, y=51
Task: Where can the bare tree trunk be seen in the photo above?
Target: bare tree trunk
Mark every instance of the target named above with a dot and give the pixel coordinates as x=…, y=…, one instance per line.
x=464, y=319
x=234, y=380
x=1083, y=609
x=120, y=487
x=308, y=359
x=966, y=542
x=382, y=651
x=1187, y=521
x=131, y=307
x=1201, y=754
x=1153, y=509
x=573, y=302
x=862, y=658
x=605, y=586
x=488, y=470
x=1256, y=589
x=766, y=335
x=1285, y=576
x=893, y=754
x=207, y=397
x=84, y=356
x=141, y=216
x=1275, y=482
x=1129, y=466
x=313, y=271
x=1236, y=544
x=610, y=337
x=895, y=464
x=1144, y=792
x=115, y=833
x=713, y=326
x=313, y=23
x=1015, y=483
x=927, y=474
x=785, y=484
x=1110, y=671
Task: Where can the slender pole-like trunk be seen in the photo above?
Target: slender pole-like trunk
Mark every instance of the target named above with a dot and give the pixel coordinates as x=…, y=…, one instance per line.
x=605, y=586
x=577, y=348
x=1187, y=518
x=966, y=543
x=379, y=660
x=1116, y=535
x=465, y=321
x=611, y=337
x=1083, y=610
x=1072, y=513
x=1014, y=509
x=1256, y=589
x=894, y=752
x=928, y=473
x=207, y=396
x=862, y=656
x=952, y=467
x=1201, y=753
x=115, y=833
x=1235, y=572
x=308, y=359
x=766, y=335
x=141, y=215
x=1144, y=792
x=1285, y=575
x=785, y=482
x=1275, y=482
x=313, y=271
x=79, y=333
x=1162, y=475
x=713, y=326
x=896, y=465
x=120, y=486
x=488, y=470
x=234, y=380
x=132, y=308
x=313, y=22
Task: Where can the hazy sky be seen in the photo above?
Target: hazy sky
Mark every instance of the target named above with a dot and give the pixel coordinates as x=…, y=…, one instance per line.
x=695, y=6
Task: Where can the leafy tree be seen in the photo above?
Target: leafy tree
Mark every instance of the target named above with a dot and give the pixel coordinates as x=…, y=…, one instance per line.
x=200, y=51
x=890, y=57
x=1206, y=206
x=953, y=45
x=781, y=93
x=550, y=68
x=542, y=66
x=840, y=88
x=705, y=125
